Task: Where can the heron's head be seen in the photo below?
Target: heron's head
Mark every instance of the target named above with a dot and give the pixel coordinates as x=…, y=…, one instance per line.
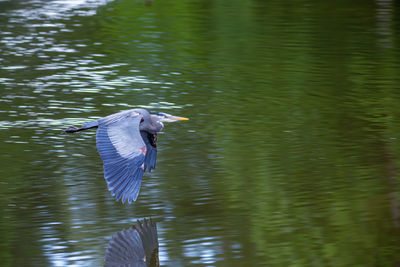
x=164, y=117
x=153, y=123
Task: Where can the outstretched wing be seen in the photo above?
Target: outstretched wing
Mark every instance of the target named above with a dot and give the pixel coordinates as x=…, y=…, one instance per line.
x=125, y=249
x=151, y=150
x=123, y=151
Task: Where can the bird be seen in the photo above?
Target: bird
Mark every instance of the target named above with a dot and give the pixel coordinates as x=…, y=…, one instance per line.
x=136, y=246
x=127, y=144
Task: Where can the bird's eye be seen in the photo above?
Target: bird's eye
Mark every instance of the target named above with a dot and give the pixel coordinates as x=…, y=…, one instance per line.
x=142, y=120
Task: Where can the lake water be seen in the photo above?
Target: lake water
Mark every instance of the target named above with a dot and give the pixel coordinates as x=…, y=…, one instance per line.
x=290, y=157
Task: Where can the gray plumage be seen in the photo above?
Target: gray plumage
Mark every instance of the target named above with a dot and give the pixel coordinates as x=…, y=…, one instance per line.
x=126, y=142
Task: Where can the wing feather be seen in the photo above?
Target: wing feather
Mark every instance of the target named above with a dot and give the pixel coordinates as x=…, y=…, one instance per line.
x=121, y=148
x=120, y=186
x=151, y=150
x=130, y=191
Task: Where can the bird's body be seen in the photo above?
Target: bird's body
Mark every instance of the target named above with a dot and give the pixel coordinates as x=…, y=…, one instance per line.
x=126, y=142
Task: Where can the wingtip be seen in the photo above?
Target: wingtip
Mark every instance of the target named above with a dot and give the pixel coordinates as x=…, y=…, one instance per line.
x=124, y=197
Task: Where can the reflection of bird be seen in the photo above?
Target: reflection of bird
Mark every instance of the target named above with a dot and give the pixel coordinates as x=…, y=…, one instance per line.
x=126, y=142
x=136, y=246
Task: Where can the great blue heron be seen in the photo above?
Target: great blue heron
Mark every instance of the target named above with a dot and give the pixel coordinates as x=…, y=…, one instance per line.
x=136, y=246
x=126, y=142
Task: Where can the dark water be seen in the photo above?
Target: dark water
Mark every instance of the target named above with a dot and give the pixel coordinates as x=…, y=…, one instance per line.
x=290, y=157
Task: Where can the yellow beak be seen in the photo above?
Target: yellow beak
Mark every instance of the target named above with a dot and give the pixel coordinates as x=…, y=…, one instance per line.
x=180, y=119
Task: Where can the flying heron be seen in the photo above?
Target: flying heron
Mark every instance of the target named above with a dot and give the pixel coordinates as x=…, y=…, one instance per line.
x=126, y=142
x=136, y=246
